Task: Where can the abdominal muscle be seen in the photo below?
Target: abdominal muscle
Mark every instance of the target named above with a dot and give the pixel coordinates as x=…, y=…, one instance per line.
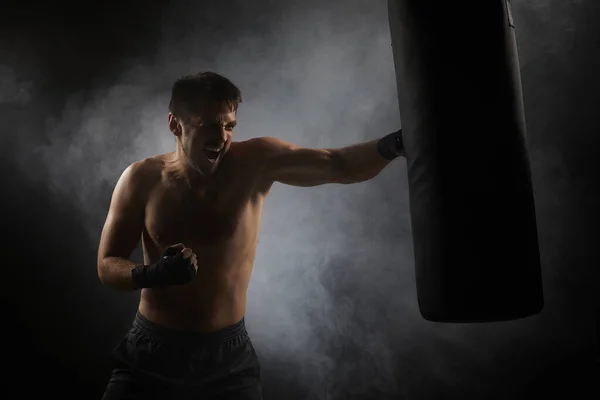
x=215, y=299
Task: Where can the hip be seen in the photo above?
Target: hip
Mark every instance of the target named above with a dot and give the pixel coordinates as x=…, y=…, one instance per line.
x=159, y=358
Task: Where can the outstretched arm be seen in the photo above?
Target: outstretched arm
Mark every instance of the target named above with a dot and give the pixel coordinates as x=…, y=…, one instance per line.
x=287, y=163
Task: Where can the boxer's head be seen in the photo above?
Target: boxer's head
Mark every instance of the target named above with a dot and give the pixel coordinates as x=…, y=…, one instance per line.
x=202, y=115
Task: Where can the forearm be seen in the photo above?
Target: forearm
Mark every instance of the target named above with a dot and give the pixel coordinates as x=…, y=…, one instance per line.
x=116, y=272
x=361, y=162
x=366, y=160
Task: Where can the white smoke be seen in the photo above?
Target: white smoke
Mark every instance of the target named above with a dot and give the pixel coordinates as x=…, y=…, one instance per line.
x=332, y=296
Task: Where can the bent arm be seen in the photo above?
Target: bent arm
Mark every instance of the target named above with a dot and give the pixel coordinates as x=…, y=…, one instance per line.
x=123, y=228
x=116, y=272
x=296, y=166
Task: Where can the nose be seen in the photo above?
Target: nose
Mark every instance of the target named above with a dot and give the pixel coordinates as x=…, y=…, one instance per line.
x=223, y=133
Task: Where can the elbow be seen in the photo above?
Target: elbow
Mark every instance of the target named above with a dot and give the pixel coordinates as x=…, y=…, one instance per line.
x=341, y=169
x=101, y=271
x=105, y=274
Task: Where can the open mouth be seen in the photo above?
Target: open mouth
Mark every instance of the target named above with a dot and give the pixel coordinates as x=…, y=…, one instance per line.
x=212, y=154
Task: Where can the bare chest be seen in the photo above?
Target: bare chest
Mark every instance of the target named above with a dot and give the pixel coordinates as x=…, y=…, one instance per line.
x=219, y=225
x=170, y=219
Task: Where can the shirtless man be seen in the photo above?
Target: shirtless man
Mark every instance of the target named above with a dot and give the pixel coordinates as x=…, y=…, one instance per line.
x=197, y=211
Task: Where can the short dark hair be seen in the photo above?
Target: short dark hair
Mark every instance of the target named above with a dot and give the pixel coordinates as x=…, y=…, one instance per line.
x=190, y=90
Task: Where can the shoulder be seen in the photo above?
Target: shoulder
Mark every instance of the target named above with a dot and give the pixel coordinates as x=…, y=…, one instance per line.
x=257, y=155
x=267, y=143
x=262, y=148
x=146, y=169
x=142, y=175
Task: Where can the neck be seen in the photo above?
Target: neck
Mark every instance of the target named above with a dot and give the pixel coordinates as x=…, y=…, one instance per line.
x=180, y=167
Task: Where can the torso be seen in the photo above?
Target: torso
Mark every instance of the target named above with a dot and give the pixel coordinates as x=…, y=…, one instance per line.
x=220, y=223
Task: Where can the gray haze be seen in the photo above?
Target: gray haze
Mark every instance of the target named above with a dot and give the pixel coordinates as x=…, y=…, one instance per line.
x=332, y=301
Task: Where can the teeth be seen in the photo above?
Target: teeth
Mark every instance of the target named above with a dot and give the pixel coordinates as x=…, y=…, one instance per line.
x=216, y=150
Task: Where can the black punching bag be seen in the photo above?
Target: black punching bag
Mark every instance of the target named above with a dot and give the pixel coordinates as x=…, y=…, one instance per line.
x=471, y=199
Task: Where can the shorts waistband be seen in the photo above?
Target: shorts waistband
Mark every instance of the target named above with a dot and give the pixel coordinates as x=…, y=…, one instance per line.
x=228, y=336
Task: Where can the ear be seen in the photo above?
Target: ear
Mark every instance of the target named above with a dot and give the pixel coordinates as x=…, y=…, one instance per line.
x=175, y=125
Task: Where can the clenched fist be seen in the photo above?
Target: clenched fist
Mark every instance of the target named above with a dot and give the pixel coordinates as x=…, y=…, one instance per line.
x=177, y=265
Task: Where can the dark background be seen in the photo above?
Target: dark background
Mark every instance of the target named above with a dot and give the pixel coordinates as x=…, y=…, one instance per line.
x=83, y=93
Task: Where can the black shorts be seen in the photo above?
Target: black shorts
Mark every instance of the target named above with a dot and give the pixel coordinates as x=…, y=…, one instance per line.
x=154, y=362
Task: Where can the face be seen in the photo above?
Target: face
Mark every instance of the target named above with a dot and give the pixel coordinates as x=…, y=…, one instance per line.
x=205, y=136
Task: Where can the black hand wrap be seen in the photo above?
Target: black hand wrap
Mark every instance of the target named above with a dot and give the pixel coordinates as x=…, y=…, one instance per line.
x=391, y=146
x=170, y=269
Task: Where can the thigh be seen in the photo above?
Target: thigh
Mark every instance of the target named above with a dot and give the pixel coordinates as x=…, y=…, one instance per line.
x=124, y=385
x=253, y=392
x=142, y=369
x=235, y=374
